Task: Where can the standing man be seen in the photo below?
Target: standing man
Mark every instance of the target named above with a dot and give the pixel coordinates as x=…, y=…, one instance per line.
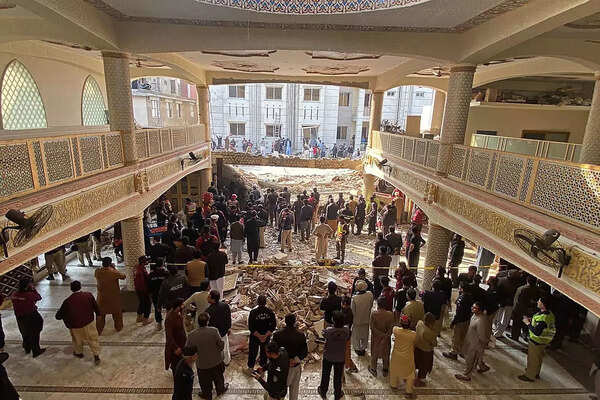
x=78, y=312
x=220, y=318
x=389, y=218
x=351, y=205
x=525, y=301
x=55, y=262
x=97, y=244
x=29, y=320
x=457, y=251
x=341, y=238
x=7, y=390
x=140, y=283
x=403, y=357
x=542, y=328
x=294, y=343
x=322, y=234
x=83, y=250
x=278, y=366
x=306, y=213
x=395, y=241
x=362, y=276
x=360, y=214
x=381, y=268
x=183, y=378
x=109, y=294
x=331, y=214
x=173, y=287
x=174, y=335
x=460, y=322
x=252, y=236
x=236, y=233
x=382, y=323
x=372, y=216
x=272, y=206
x=330, y=304
x=297, y=207
x=195, y=271
x=424, y=347
x=334, y=356
x=287, y=221
x=155, y=279
x=206, y=339
x=474, y=344
x=362, y=303
x=215, y=268
x=414, y=309
x=262, y=324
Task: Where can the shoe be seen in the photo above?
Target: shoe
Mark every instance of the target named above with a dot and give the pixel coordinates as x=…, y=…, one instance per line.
x=159, y=326
x=525, y=378
x=27, y=351
x=462, y=377
x=96, y=360
x=146, y=321
x=78, y=355
x=50, y=277
x=224, y=389
x=483, y=369
x=373, y=372
x=42, y=351
x=323, y=395
x=450, y=355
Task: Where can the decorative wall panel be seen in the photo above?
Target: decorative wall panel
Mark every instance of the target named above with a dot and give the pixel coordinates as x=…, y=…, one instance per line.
x=457, y=162
x=91, y=153
x=104, y=152
x=508, y=176
x=154, y=142
x=15, y=169
x=432, y=154
x=37, y=151
x=396, y=144
x=165, y=136
x=179, y=139
x=492, y=173
x=526, y=179
x=75, y=148
x=479, y=164
x=58, y=160
x=408, y=149
x=115, y=149
x=140, y=144
x=420, y=150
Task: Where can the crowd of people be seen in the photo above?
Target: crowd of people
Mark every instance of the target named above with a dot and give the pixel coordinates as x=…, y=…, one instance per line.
x=197, y=245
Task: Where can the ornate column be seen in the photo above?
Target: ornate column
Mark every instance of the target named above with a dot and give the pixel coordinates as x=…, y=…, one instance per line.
x=375, y=120
x=132, y=230
x=590, y=149
x=456, y=113
x=120, y=103
x=437, y=116
x=438, y=243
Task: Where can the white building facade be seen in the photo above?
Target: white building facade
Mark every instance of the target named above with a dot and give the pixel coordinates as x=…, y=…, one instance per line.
x=301, y=112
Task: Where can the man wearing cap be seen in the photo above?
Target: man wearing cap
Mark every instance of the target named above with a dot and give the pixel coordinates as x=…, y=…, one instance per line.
x=402, y=366
x=29, y=320
x=109, y=294
x=7, y=390
x=362, y=276
x=78, y=313
x=362, y=303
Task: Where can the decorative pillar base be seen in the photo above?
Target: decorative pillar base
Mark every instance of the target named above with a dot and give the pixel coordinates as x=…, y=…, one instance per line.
x=438, y=243
x=133, y=245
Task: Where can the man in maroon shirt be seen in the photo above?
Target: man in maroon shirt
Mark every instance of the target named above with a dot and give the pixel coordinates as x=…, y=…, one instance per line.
x=29, y=320
x=78, y=312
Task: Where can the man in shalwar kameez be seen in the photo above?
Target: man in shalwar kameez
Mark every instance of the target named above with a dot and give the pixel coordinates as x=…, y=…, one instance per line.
x=382, y=323
x=475, y=342
x=402, y=365
x=322, y=233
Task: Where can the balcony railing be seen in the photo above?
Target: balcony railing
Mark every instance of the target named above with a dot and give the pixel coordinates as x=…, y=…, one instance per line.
x=561, y=189
x=34, y=163
x=537, y=148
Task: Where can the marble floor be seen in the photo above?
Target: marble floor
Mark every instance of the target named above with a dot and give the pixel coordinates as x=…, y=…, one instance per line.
x=132, y=365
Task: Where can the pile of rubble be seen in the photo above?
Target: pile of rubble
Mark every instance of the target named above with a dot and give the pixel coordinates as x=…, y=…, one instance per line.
x=289, y=290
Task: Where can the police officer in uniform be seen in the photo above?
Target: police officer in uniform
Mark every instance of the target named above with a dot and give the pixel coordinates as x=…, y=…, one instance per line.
x=541, y=332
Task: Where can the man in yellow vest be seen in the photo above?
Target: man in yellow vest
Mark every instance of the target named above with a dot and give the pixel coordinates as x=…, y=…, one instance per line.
x=541, y=332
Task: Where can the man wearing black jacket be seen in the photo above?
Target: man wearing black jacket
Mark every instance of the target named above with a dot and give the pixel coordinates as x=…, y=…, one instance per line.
x=155, y=279
x=262, y=324
x=215, y=269
x=220, y=318
x=294, y=343
x=460, y=323
x=277, y=372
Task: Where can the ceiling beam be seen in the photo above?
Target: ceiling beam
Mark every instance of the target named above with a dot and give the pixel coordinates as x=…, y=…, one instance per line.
x=78, y=21
x=396, y=76
x=224, y=77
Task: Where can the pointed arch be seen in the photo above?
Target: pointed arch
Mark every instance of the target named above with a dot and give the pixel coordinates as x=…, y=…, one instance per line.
x=93, y=108
x=21, y=106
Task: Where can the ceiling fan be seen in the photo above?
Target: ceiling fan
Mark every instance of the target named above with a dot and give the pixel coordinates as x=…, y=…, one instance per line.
x=26, y=228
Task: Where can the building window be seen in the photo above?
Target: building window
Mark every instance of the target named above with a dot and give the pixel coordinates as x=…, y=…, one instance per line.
x=169, y=109
x=312, y=94
x=178, y=110
x=419, y=94
x=273, y=93
x=93, y=110
x=367, y=102
x=344, y=99
x=342, y=132
x=273, y=130
x=192, y=110
x=155, y=104
x=237, y=129
x=237, y=92
x=20, y=100
x=390, y=93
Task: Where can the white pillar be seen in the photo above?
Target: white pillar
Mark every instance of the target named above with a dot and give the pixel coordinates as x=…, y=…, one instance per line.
x=590, y=149
x=456, y=113
x=375, y=120
x=438, y=112
x=132, y=230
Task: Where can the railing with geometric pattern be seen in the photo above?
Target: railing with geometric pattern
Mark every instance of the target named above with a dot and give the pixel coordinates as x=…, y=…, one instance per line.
x=561, y=189
x=33, y=163
x=27, y=165
x=152, y=142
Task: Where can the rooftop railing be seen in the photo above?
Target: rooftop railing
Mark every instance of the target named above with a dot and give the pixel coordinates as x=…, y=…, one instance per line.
x=561, y=189
x=34, y=163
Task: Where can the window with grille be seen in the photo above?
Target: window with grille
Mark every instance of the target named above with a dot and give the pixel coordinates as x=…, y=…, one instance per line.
x=342, y=132
x=237, y=129
x=93, y=109
x=390, y=93
x=178, y=110
x=312, y=94
x=238, y=92
x=273, y=93
x=420, y=94
x=273, y=130
x=170, y=109
x=155, y=105
x=20, y=100
x=344, y=99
